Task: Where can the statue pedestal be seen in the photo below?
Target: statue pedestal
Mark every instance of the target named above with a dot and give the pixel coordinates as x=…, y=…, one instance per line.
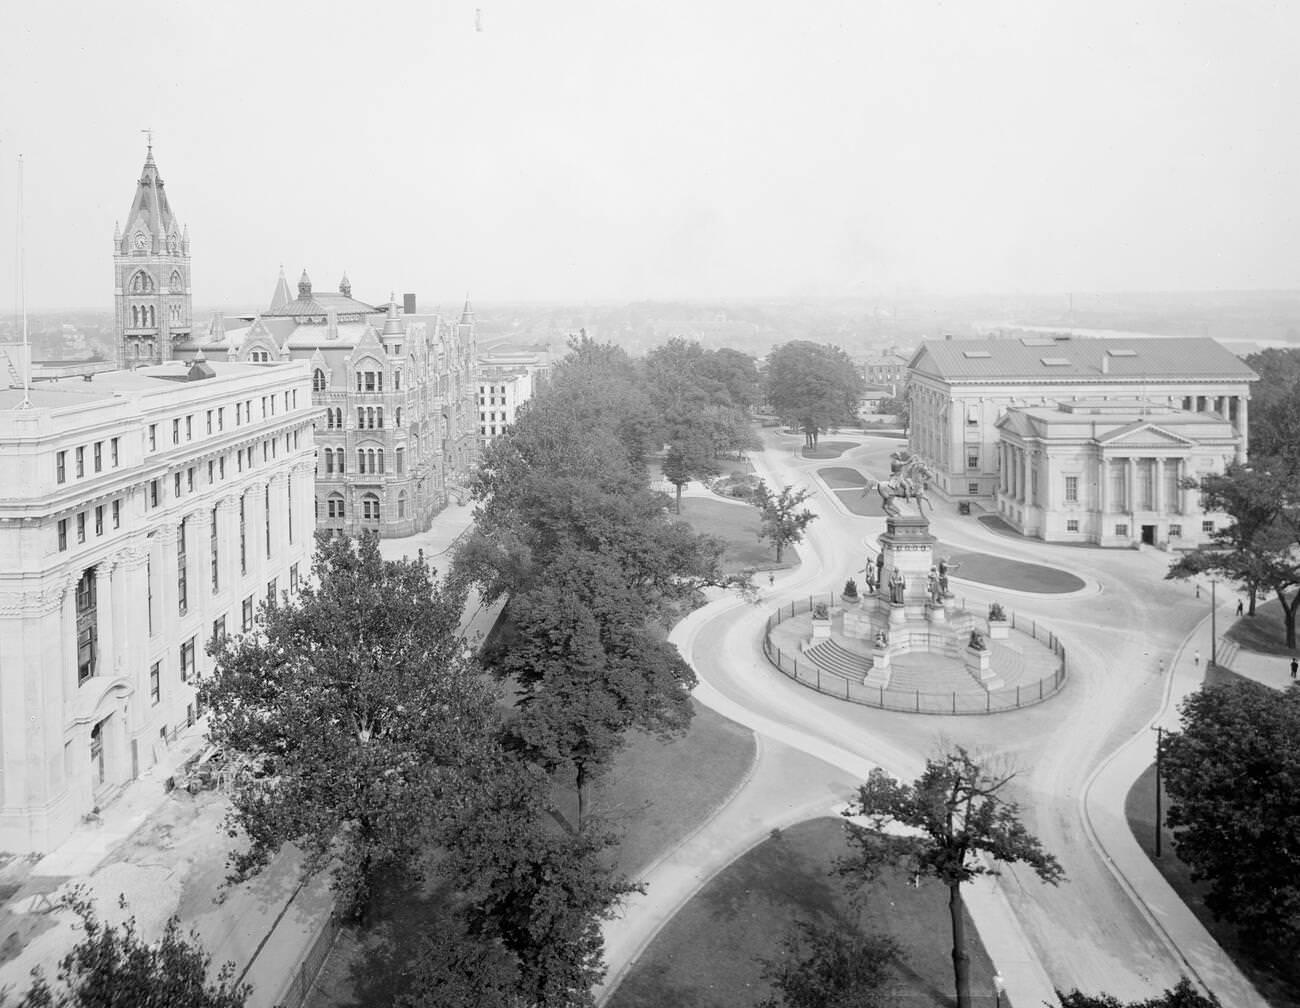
x=999, y=629
x=897, y=614
x=979, y=665
x=936, y=613
x=857, y=621
x=821, y=629
x=881, y=670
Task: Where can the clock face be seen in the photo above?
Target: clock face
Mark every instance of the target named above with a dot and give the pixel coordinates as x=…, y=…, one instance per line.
x=140, y=241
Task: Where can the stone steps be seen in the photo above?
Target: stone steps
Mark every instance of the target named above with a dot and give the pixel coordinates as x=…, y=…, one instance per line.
x=832, y=657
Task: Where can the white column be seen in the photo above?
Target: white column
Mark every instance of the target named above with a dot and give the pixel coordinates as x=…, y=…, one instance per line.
x=1132, y=486
x=1158, y=491
x=108, y=662
x=1103, y=489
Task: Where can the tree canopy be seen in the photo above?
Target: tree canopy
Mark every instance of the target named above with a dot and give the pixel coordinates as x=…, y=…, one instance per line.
x=959, y=812
x=831, y=966
x=1275, y=403
x=1260, y=548
x=813, y=385
x=781, y=519
x=1182, y=995
x=358, y=707
x=1233, y=776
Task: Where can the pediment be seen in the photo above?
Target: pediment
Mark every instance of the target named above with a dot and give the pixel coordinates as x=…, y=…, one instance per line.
x=1144, y=435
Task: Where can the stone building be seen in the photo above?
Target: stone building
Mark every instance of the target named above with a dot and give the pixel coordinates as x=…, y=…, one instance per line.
x=1110, y=471
x=142, y=514
x=505, y=382
x=398, y=431
x=960, y=389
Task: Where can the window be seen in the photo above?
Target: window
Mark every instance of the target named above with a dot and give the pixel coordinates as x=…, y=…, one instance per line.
x=370, y=507
x=401, y=504
x=87, y=632
x=81, y=526
x=63, y=534
x=318, y=381
x=218, y=630
x=398, y=417
x=1175, y=531
x=972, y=416
x=1072, y=489
x=239, y=414
x=155, y=682
x=213, y=552
x=247, y=613
x=153, y=493
x=293, y=578
x=99, y=519
x=176, y=484
x=113, y=452
x=288, y=502
x=99, y=456
x=61, y=467
x=189, y=479
x=153, y=437
x=221, y=418
x=973, y=489
x=334, y=506
x=266, y=511
x=176, y=431
x=182, y=577
x=243, y=534
x=187, y=660
x=270, y=592
x=401, y=461
x=1121, y=530
x=189, y=428
x=972, y=461
x=148, y=591
x=117, y=514
x=1207, y=527
x=221, y=467
x=81, y=461
x=1072, y=525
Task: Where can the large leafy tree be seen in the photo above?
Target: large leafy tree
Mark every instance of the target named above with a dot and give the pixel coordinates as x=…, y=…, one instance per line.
x=960, y=816
x=362, y=709
x=1233, y=777
x=588, y=669
x=781, y=519
x=1275, y=403
x=113, y=967
x=814, y=385
x=1260, y=548
x=831, y=966
x=687, y=459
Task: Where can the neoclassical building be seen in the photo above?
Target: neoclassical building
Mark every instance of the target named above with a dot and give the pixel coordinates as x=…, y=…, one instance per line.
x=397, y=392
x=1110, y=471
x=151, y=269
x=960, y=389
x=505, y=382
x=142, y=513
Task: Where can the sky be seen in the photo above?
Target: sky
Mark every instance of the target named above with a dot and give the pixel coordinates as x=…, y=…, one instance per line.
x=586, y=150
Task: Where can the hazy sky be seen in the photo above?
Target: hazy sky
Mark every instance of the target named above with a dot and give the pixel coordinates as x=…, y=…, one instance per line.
x=590, y=149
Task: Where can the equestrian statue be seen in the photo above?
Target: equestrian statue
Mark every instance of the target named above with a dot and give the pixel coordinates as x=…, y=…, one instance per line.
x=908, y=478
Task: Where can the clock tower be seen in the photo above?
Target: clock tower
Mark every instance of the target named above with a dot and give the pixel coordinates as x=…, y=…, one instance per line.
x=151, y=266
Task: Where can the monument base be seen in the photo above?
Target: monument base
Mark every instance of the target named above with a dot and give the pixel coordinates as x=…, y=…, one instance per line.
x=979, y=665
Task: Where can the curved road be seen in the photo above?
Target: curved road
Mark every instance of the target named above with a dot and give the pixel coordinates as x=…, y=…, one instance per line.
x=1123, y=635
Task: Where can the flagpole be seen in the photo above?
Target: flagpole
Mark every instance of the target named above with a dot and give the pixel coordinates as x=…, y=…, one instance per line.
x=22, y=295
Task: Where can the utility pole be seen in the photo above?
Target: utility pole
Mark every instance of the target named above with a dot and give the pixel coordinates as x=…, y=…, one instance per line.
x=1160, y=819
x=1214, y=626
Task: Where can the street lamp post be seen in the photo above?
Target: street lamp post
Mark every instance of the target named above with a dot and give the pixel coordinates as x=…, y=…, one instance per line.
x=1159, y=814
x=1214, y=626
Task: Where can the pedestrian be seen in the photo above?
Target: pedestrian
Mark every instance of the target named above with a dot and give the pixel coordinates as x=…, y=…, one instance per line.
x=1198, y=589
x=771, y=579
x=1196, y=657
x=1240, y=607
x=1295, y=667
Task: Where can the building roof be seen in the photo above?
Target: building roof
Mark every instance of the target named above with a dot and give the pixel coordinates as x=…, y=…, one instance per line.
x=150, y=211
x=1054, y=358
x=280, y=296
x=1111, y=422
x=308, y=303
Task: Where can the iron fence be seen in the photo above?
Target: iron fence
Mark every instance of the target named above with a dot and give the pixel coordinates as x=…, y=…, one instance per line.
x=806, y=671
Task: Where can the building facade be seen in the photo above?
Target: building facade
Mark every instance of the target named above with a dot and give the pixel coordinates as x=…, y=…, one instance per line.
x=398, y=429
x=960, y=389
x=1111, y=472
x=143, y=513
x=151, y=270
x=505, y=382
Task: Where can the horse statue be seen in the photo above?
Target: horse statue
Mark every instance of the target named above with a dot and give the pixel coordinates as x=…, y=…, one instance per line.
x=909, y=477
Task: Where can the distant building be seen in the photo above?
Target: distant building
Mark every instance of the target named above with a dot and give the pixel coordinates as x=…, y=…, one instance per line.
x=151, y=269
x=506, y=382
x=143, y=513
x=960, y=389
x=1110, y=471
x=399, y=422
x=888, y=369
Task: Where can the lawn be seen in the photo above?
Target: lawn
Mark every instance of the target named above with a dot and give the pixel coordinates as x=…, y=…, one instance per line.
x=737, y=526
x=706, y=956
x=1001, y=572
x=1265, y=632
x=828, y=449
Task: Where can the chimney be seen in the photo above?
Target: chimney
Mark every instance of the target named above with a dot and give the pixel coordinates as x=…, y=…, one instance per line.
x=1105, y=363
x=408, y=304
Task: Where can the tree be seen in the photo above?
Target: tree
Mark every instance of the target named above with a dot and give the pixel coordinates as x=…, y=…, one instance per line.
x=813, y=385
x=687, y=460
x=1183, y=995
x=830, y=967
x=1260, y=548
x=1233, y=776
x=780, y=521
x=1275, y=403
x=961, y=816
x=358, y=704
x=113, y=967
x=899, y=406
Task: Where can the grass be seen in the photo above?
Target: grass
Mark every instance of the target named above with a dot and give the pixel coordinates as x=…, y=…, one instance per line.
x=827, y=449
x=1269, y=979
x=1002, y=572
x=737, y=527
x=1264, y=633
x=707, y=955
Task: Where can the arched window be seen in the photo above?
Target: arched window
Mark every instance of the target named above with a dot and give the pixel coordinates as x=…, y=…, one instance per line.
x=379, y=417
x=399, y=416
x=176, y=283
x=141, y=283
x=397, y=380
x=401, y=504
x=318, y=381
x=380, y=460
x=260, y=357
x=334, y=506
x=401, y=461
x=150, y=316
x=361, y=460
x=361, y=417
x=370, y=507
x=329, y=461
x=340, y=460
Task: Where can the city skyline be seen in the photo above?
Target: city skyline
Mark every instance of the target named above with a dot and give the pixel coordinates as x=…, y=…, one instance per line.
x=606, y=151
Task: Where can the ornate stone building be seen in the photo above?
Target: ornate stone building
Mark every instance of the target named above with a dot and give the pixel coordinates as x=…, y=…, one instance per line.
x=151, y=268
x=960, y=389
x=142, y=514
x=398, y=432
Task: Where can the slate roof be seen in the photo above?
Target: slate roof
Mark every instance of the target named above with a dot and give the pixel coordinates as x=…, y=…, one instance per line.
x=319, y=304
x=994, y=360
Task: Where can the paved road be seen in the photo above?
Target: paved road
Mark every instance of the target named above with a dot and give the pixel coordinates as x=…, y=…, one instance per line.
x=1123, y=632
